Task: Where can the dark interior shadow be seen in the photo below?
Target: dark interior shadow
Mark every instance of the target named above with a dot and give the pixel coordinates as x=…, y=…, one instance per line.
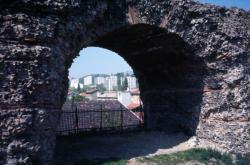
x=70, y=150
x=170, y=75
x=171, y=78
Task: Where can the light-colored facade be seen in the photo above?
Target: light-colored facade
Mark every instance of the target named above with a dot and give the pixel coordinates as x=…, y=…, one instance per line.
x=122, y=79
x=107, y=82
x=111, y=83
x=74, y=83
x=107, y=95
x=88, y=80
x=131, y=82
x=99, y=80
x=81, y=85
x=124, y=98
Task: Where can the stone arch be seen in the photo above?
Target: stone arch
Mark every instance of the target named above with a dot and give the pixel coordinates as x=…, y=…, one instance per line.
x=39, y=39
x=166, y=68
x=167, y=71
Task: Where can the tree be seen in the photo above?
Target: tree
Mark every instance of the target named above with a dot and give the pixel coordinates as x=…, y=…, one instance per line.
x=125, y=84
x=79, y=98
x=119, y=85
x=115, y=88
x=78, y=88
x=100, y=88
x=81, y=80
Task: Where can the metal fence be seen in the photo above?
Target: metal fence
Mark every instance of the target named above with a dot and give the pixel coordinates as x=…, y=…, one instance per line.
x=77, y=119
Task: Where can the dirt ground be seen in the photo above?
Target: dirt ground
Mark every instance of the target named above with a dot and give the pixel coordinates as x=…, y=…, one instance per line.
x=122, y=146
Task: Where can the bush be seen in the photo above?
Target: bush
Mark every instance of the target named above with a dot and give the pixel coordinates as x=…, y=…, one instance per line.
x=79, y=98
x=207, y=156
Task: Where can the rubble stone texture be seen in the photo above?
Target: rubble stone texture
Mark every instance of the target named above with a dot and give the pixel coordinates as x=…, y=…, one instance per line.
x=192, y=61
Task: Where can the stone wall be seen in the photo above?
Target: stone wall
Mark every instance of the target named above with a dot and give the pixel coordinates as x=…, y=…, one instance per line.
x=192, y=62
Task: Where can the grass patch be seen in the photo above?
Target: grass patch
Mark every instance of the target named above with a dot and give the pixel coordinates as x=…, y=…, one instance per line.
x=111, y=161
x=241, y=160
x=206, y=156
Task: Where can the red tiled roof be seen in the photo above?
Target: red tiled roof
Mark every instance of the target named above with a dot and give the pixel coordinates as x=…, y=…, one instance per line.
x=83, y=94
x=133, y=106
x=91, y=91
x=135, y=91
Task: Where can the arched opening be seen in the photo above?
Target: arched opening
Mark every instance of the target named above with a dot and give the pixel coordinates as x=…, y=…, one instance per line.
x=169, y=73
x=170, y=76
x=103, y=95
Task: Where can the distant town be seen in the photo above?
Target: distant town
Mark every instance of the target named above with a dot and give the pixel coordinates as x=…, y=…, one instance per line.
x=122, y=87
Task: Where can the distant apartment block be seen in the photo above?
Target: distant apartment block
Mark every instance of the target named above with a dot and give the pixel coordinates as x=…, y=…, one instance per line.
x=99, y=80
x=131, y=82
x=111, y=82
x=88, y=80
x=122, y=79
x=74, y=83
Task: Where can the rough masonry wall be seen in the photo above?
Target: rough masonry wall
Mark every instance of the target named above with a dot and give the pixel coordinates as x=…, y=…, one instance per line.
x=39, y=40
x=220, y=36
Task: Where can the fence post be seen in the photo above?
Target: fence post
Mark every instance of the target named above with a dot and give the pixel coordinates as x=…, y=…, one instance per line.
x=141, y=116
x=101, y=117
x=76, y=123
x=73, y=102
x=121, y=118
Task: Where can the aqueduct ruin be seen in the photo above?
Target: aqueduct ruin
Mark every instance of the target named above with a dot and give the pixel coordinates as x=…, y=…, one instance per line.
x=192, y=61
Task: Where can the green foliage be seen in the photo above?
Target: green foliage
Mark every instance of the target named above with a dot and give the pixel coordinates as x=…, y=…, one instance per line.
x=119, y=86
x=207, y=156
x=101, y=88
x=125, y=84
x=80, y=98
x=122, y=86
x=242, y=160
x=78, y=88
x=81, y=80
x=110, y=161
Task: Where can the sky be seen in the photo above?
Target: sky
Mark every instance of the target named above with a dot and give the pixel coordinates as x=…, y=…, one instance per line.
x=245, y=4
x=95, y=60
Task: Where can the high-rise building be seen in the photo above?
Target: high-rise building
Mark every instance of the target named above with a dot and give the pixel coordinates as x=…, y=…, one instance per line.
x=99, y=80
x=111, y=82
x=122, y=79
x=88, y=80
x=131, y=82
x=74, y=83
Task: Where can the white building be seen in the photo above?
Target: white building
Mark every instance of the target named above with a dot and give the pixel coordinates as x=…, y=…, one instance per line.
x=131, y=82
x=107, y=95
x=81, y=85
x=88, y=80
x=122, y=79
x=106, y=83
x=99, y=80
x=74, y=83
x=124, y=98
x=111, y=83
